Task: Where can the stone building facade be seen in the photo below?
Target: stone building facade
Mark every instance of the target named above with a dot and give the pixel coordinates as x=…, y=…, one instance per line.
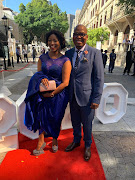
x=106, y=13
x=75, y=21
x=70, y=21
x=15, y=36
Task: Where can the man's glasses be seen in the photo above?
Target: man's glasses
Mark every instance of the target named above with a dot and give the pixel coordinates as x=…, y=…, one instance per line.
x=79, y=34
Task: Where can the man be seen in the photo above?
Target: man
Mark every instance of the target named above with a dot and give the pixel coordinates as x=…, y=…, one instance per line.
x=105, y=58
x=34, y=53
x=25, y=54
x=133, y=60
x=112, y=61
x=18, y=55
x=128, y=62
x=85, y=88
x=102, y=53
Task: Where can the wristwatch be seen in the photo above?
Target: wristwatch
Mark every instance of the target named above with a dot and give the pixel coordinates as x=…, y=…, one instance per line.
x=52, y=95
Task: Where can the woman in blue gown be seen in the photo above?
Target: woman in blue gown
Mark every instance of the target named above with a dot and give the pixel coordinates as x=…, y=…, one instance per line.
x=45, y=111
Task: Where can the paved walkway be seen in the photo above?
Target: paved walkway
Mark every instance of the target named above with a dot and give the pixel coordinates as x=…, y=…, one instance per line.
x=115, y=142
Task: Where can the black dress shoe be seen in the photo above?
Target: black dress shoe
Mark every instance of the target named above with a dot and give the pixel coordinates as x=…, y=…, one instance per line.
x=87, y=154
x=71, y=146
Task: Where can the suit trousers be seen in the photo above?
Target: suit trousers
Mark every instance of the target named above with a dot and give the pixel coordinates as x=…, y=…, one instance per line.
x=81, y=115
x=111, y=65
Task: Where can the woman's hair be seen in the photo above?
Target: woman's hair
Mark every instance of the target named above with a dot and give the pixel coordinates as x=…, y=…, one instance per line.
x=59, y=35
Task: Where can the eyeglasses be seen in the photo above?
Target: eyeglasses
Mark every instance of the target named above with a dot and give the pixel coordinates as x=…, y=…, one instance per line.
x=79, y=34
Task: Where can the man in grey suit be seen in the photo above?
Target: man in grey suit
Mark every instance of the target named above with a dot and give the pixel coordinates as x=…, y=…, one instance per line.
x=85, y=88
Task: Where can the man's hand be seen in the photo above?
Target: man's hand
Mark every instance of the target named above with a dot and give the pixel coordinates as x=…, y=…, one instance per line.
x=47, y=94
x=94, y=106
x=45, y=82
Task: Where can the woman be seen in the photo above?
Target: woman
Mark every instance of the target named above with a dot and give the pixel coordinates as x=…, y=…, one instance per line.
x=45, y=111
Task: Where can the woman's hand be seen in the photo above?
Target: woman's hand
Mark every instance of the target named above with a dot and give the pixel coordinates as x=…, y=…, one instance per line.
x=45, y=82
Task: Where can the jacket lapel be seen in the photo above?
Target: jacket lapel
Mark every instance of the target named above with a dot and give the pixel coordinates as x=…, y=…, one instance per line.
x=71, y=55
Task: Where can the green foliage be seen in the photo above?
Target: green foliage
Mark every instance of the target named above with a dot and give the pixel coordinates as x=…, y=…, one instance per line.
x=95, y=35
x=22, y=8
x=70, y=43
x=127, y=5
x=39, y=17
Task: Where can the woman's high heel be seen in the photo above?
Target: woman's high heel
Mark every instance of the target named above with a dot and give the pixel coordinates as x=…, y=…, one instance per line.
x=40, y=151
x=55, y=148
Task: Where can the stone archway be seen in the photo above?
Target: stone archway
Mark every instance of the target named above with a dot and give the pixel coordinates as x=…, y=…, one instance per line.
x=115, y=37
x=126, y=33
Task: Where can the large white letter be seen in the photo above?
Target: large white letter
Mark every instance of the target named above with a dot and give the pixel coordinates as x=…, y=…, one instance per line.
x=116, y=92
x=8, y=132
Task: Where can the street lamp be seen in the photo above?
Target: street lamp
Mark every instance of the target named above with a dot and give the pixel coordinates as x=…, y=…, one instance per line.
x=6, y=24
x=101, y=38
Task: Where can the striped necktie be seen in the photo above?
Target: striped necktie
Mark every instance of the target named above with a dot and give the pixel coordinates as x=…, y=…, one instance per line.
x=76, y=61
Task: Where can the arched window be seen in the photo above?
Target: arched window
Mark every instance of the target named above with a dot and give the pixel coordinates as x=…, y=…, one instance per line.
x=102, y=3
x=97, y=25
x=111, y=12
x=96, y=7
x=127, y=32
x=116, y=33
x=101, y=21
x=115, y=37
x=105, y=17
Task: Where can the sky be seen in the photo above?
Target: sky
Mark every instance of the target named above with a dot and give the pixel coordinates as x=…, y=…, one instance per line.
x=70, y=6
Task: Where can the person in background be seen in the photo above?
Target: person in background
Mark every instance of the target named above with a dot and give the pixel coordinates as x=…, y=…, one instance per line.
x=112, y=61
x=45, y=111
x=128, y=62
x=34, y=53
x=105, y=58
x=133, y=60
x=25, y=54
x=85, y=88
x=102, y=53
x=18, y=55
x=43, y=50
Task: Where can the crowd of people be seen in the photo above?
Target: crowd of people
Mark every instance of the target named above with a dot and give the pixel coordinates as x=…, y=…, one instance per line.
x=24, y=55
x=112, y=59
x=130, y=58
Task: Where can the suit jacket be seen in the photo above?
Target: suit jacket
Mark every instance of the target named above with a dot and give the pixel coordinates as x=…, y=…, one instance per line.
x=87, y=82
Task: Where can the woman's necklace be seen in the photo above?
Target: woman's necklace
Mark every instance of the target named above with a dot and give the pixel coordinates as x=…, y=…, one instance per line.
x=55, y=56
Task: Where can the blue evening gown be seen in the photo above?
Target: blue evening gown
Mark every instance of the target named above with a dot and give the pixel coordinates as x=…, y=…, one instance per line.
x=46, y=114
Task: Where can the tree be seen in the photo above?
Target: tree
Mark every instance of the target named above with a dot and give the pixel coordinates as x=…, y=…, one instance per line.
x=95, y=35
x=39, y=17
x=127, y=5
x=22, y=8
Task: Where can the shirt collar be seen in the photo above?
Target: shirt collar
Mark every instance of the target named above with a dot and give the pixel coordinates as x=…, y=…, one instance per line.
x=82, y=49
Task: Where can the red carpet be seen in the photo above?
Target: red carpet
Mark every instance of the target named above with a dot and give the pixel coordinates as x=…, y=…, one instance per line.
x=21, y=165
